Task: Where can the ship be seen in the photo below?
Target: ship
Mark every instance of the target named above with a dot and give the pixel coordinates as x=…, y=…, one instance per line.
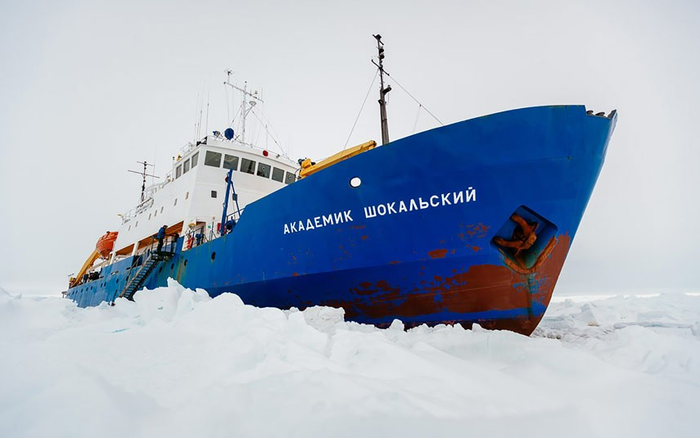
x=468, y=223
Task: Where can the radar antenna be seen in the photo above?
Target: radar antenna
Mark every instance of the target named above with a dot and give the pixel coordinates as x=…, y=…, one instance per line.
x=144, y=174
x=246, y=107
x=382, y=91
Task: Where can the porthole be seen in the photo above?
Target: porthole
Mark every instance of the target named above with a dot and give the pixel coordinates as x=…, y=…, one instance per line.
x=355, y=182
x=213, y=256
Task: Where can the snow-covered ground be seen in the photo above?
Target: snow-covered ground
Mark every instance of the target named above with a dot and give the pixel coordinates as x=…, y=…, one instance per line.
x=176, y=363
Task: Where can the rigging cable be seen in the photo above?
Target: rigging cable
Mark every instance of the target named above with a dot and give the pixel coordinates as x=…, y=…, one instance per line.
x=376, y=73
x=417, y=114
x=273, y=133
x=426, y=109
x=268, y=132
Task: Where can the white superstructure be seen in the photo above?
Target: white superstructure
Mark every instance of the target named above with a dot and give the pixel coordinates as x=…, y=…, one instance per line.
x=190, y=199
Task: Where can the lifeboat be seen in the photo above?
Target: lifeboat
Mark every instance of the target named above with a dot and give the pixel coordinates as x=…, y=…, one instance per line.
x=105, y=244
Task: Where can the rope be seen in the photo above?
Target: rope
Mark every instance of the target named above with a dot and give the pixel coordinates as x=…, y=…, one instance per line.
x=417, y=114
x=421, y=105
x=361, y=108
x=272, y=132
x=268, y=131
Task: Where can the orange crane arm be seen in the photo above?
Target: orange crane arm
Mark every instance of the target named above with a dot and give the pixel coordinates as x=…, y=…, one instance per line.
x=307, y=168
x=94, y=256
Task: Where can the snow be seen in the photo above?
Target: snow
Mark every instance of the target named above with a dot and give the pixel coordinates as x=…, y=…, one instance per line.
x=178, y=363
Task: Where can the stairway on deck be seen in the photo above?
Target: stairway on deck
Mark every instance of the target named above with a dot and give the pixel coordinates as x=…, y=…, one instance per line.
x=136, y=282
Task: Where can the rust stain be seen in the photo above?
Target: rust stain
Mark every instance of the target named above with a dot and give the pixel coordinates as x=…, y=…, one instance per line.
x=474, y=231
x=481, y=288
x=380, y=287
x=437, y=254
x=294, y=274
x=358, y=227
x=364, y=237
x=394, y=262
x=476, y=248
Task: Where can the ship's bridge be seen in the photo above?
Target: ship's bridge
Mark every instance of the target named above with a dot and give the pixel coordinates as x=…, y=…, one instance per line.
x=190, y=199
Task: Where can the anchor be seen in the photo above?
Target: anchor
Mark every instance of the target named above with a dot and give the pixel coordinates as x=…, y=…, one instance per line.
x=523, y=235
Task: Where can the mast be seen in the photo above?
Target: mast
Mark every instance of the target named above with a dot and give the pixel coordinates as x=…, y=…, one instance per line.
x=382, y=91
x=144, y=174
x=243, y=111
x=246, y=107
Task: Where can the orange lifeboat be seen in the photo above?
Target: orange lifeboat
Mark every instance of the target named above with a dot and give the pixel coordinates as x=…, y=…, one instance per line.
x=105, y=244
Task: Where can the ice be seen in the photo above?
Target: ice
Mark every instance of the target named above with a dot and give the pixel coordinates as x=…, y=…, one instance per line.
x=175, y=362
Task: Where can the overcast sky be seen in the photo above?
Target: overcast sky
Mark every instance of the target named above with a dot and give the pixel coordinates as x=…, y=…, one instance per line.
x=87, y=88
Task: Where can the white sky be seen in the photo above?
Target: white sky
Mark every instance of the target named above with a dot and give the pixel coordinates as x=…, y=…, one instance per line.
x=87, y=88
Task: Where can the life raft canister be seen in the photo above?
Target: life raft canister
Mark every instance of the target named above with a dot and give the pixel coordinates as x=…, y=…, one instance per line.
x=105, y=244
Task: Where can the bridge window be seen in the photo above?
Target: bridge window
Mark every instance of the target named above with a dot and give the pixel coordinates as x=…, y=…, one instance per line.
x=195, y=157
x=277, y=174
x=186, y=167
x=213, y=193
x=178, y=172
x=212, y=159
x=248, y=166
x=264, y=170
x=290, y=178
x=230, y=162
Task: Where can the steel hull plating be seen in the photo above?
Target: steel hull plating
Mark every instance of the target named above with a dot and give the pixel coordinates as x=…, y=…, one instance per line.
x=424, y=238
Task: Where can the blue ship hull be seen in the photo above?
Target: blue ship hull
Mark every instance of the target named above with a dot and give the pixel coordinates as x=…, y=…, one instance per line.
x=434, y=234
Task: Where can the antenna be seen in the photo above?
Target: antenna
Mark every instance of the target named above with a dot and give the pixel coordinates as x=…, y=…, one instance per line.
x=206, y=127
x=382, y=91
x=143, y=174
x=246, y=107
x=228, y=80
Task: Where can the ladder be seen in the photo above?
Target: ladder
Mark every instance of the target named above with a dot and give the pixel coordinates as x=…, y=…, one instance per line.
x=135, y=282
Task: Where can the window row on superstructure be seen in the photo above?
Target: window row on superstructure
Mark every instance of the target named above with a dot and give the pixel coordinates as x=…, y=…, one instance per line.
x=188, y=164
x=244, y=165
